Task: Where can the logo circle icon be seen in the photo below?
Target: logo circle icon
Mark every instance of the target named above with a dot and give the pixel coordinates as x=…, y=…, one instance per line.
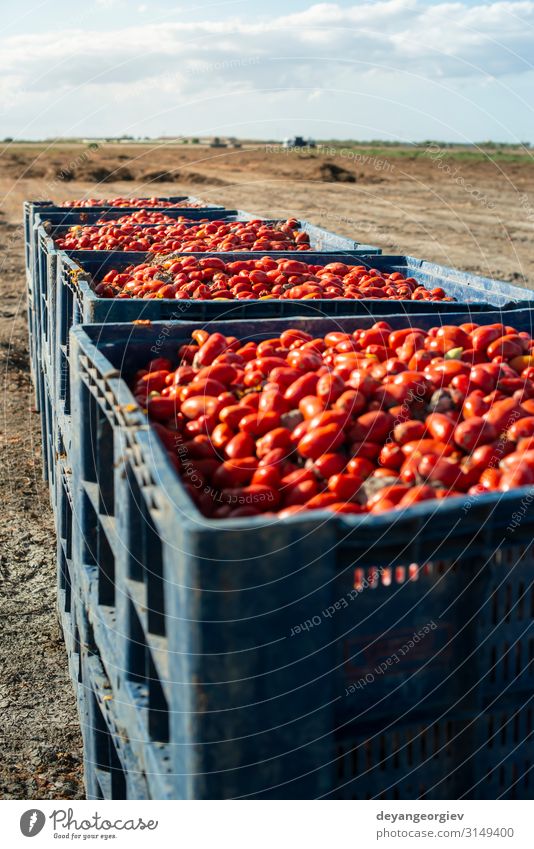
x=32, y=822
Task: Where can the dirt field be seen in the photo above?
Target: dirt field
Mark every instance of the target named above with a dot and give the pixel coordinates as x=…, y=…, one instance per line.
x=472, y=213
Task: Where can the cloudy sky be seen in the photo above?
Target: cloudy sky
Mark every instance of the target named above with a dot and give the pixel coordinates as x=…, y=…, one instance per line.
x=397, y=69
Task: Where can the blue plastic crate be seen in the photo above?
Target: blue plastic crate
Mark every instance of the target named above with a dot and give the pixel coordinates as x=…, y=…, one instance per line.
x=72, y=217
x=48, y=428
x=472, y=755
x=35, y=212
x=198, y=623
x=47, y=260
x=39, y=299
x=56, y=439
x=49, y=225
x=71, y=300
x=67, y=615
x=470, y=291
x=33, y=300
x=45, y=207
x=77, y=303
x=42, y=276
x=320, y=239
x=503, y=747
x=480, y=755
x=35, y=366
x=31, y=208
x=105, y=745
x=34, y=317
x=43, y=255
x=110, y=767
x=67, y=605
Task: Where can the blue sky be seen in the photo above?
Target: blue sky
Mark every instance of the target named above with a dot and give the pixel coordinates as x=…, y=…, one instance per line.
x=394, y=69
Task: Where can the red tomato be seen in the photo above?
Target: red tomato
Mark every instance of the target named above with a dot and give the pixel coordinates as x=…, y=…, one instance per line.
x=201, y=405
x=490, y=479
x=300, y=388
x=299, y=492
x=360, y=467
x=475, y=405
x=234, y=472
x=441, y=471
x=268, y=475
x=519, y=459
x=272, y=401
x=503, y=414
x=345, y=486
x=304, y=360
x=484, y=336
x=427, y=446
x=162, y=409
x=345, y=507
x=221, y=435
x=521, y=428
x=408, y=431
x=440, y=426
x=280, y=437
x=351, y=402
x=310, y=406
x=520, y=476
x=328, y=464
x=391, y=456
x=474, y=432
x=330, y=387
x=233, y=414
x=508, y=346
x=258, y=424
x=240, y=445
x=321, y=501
x=417, y=494
x=376, y=425
x=214, y=345
x=320, y=441
x=392, y=493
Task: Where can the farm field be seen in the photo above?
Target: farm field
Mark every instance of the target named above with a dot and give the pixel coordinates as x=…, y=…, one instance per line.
x=472, y=212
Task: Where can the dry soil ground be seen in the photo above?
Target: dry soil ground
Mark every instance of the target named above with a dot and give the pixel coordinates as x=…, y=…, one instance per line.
x=475, y=214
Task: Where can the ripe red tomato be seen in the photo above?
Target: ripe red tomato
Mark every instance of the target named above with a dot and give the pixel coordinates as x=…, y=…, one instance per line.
x=408, y=431
x=345, y=486
x=476, y=431
x=320, y=441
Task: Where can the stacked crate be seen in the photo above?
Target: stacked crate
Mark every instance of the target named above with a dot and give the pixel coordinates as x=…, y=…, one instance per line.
x=180, y=630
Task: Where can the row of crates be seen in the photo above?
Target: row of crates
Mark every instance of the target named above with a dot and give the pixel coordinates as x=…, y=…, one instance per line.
x=193, y=676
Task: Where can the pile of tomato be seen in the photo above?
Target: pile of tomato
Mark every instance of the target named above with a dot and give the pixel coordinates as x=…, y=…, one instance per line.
x=211, y=278
x=186, y=235
x=360, y=422
x=142, y=202
x=142, y=216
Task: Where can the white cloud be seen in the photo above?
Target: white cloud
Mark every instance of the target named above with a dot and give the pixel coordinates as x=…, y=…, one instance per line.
x=326, y=46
